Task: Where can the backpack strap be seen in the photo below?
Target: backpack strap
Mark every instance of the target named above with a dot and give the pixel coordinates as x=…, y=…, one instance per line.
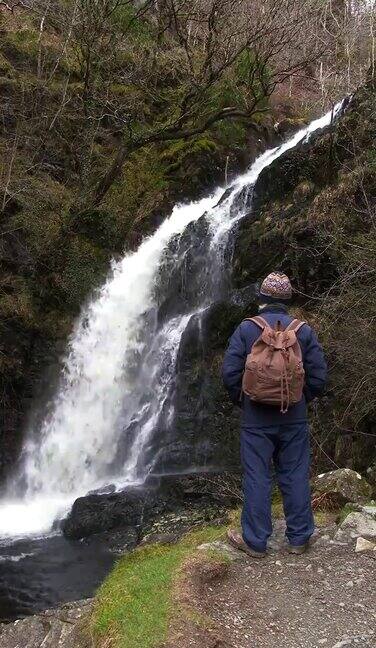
x=259, y=321
x=295, y=325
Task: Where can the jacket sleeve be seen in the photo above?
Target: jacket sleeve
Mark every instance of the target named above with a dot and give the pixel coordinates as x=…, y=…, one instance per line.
x=233, y=365
x=315, y=368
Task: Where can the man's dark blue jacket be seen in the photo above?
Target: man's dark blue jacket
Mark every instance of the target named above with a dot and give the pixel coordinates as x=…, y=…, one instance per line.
x=240, y=344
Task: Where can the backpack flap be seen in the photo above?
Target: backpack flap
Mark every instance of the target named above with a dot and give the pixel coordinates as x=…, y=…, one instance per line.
x=274, y=373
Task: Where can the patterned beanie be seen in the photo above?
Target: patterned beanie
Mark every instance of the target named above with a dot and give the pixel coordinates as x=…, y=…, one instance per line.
x=276, y=287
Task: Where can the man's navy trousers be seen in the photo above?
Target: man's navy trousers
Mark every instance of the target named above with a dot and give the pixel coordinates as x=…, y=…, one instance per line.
x=288, y=445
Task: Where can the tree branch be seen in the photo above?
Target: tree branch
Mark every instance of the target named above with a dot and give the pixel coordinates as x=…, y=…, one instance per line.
x=168, y=134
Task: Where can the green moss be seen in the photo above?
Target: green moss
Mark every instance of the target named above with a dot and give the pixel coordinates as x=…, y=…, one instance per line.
x=178, y=152
x=22, y=45
x=231, y=133
x=85, y=266
x=345, y=511
x=99, y=226
x=6, y=68
x=135, y=603
x=139, y=191
x=22, y=48
x=41, y=215
x=126, y=91
x=125, y=19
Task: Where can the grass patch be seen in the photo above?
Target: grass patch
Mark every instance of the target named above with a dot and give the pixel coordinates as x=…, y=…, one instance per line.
x=135, y=604
x=277, y=504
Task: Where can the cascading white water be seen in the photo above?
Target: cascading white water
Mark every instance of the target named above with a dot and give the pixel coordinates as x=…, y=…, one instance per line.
x=119, y=369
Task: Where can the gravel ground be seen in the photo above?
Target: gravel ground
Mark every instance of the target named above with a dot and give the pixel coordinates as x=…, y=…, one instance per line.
x=326, y=598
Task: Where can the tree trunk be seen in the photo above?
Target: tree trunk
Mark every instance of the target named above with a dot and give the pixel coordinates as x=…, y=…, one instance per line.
x=112, y=174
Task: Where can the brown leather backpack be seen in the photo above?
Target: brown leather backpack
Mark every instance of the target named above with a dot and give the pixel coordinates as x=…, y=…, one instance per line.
x=274, y=372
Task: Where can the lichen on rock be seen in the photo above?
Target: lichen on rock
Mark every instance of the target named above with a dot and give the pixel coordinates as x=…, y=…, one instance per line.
x=344, y=485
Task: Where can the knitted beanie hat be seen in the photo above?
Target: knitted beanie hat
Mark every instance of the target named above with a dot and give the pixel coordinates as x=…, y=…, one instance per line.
x=276, y=287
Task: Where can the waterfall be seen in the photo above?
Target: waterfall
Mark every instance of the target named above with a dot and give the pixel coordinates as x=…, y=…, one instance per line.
x=120, y=365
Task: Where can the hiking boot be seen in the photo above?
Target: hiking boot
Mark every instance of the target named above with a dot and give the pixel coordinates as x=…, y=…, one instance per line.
x=236, y=540
x=298, y=550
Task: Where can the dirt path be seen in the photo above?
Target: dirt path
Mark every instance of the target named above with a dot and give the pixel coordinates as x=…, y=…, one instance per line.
x=324, y=598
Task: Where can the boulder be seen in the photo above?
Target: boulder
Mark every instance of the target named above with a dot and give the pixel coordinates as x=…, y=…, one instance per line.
x=341, y=486
x=117, y=541
x=364, y=545
x=97, y=513
x=370, y=509
x=288, y=125
x=223, y=549
x=122, y=518
x=358, y=524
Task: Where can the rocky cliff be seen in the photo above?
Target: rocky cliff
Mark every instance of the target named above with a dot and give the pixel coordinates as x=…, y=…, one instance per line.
x=314, y=216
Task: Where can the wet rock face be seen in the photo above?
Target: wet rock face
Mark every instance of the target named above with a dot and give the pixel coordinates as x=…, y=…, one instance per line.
x=100, y=513
x=120, y=520
x=342, y=485
x=22, y=384
x=205, y=434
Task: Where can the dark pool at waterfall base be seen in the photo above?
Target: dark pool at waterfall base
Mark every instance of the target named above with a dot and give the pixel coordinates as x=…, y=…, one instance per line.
x=36, y=574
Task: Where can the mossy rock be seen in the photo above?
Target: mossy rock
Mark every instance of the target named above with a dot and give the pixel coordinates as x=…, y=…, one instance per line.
x=289, y=125
x=345, y=511
x=344, y=485
x=21, y=47
x=371, y=478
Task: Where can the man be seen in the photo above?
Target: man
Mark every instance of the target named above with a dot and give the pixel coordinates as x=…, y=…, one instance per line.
x=269, y=432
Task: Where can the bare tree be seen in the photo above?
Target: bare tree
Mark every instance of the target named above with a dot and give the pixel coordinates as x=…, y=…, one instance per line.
x=129, y=74
x=347, y=28
x=262, y=42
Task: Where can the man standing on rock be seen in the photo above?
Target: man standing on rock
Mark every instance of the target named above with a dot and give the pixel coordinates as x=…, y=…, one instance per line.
x=273, y=367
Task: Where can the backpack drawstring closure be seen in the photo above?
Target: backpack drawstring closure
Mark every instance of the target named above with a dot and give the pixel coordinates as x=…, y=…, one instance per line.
x=284, y=384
